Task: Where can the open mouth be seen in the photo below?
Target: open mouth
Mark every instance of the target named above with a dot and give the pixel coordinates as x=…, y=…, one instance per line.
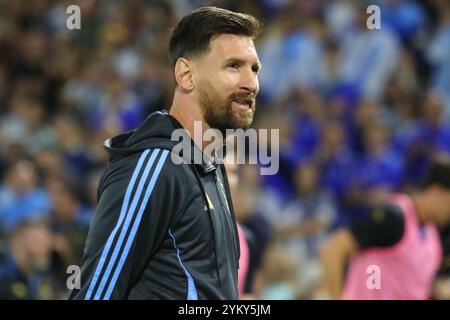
x=242, y=104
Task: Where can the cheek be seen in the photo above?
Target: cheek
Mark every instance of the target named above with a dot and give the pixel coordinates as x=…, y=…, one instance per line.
x=229, y=80
x=219, y=85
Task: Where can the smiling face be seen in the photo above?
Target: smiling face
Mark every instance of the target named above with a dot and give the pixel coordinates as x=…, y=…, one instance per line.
x=226, y=82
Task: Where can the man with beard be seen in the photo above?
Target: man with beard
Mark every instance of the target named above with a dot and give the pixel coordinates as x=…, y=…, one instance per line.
x=164, y=227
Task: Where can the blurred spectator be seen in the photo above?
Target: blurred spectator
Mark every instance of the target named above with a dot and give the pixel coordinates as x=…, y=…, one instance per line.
x=406, y=17
x=20, y=196
x=25, y=124
x=77, y=156
x=25, y=262
x=336, y=159
x=380, y=169
x=310, y=213
x=399, y=238
x=277, y=188
x=119, y=109
x=277, y=279
x=292, y=57
x=438, y=53
x=337, y=162
x=339, y=16
x=368, y=57
x=69, y=221
x=257, y=229
x=429, y=136
x=304, y=225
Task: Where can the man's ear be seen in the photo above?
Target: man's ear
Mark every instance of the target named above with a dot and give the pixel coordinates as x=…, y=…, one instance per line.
x=183, y=74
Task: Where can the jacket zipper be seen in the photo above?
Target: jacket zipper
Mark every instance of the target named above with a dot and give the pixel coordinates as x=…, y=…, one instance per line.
x=227, y=211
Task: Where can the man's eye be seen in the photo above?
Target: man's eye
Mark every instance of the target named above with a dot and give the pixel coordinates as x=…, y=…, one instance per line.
x=233, y=65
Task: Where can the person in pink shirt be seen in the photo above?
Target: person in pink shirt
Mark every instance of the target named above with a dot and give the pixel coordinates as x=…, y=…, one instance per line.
x=244, y=261
x=394, y=252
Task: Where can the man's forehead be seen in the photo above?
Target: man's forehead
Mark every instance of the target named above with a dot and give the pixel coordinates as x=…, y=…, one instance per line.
x=231, y=45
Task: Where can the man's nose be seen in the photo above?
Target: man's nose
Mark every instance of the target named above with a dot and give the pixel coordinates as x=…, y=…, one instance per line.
x=249, y=82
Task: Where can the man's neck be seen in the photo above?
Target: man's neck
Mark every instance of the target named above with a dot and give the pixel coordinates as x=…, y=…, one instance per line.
x=187, y=115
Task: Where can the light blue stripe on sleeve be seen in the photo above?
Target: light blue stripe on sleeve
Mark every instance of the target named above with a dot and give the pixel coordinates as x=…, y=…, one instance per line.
x=136, y=223
x=119, y=222
x=192, y=290
x=125, y=227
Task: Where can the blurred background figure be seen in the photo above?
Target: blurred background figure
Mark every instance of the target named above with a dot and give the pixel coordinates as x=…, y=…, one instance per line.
x=361, y=113
x=25, y=262
x=303, y=225
x=277, y=279
x=68, y=221
x=398, y=241
x=20, y=196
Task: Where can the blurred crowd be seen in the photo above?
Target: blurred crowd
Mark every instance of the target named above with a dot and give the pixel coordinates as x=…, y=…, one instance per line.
x=360, y=112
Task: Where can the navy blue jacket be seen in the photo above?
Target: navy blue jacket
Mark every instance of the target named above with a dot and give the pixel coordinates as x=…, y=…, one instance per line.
x=161, y=230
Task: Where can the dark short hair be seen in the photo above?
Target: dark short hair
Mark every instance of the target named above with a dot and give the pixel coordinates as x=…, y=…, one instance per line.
x=194, y=31
x=438, y=172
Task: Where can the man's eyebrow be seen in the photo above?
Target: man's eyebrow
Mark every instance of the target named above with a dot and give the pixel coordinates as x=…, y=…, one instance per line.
x=242, y=62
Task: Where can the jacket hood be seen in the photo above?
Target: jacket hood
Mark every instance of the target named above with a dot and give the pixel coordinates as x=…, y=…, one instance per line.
x=155, y=131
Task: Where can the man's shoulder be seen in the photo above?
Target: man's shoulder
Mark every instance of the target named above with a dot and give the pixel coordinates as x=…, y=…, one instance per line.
x=173, y=167
x=167, y=163
x=161, y=170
